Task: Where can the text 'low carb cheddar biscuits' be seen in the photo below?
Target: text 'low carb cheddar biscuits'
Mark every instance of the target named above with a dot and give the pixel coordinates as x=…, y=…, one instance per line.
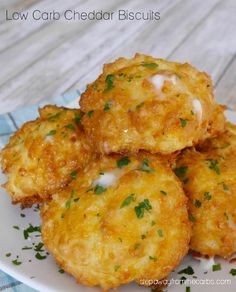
x=150, y=104
x=43, y=154
x=209, y=179
x=123, y=219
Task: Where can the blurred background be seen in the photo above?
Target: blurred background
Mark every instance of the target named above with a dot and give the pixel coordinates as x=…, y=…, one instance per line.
x=42, y=58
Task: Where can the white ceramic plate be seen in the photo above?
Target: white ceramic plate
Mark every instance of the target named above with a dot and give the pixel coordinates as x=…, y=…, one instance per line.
x=44, y=275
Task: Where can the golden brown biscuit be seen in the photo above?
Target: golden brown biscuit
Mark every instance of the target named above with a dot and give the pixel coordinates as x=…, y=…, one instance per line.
x=150, y=104
x=42, y=155
x=209, y=179
x=124, y=219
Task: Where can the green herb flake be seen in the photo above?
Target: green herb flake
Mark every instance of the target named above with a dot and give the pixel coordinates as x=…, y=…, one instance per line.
x=182, y=280
x=192, y=113
x=188, y=289
x=70, y=127
x=61, y=271
x=76, y=200
x=109, y=83
x=54, y=117
x=38, y=247
x=152, y=258
x=207, y=196
x=16, y=262
x=98, y=189
x=145, y=166
x=40, y=257
x=127, y=201
x=139, y=210
x=163, y=192
x=150, y=65
x=22, y=215
x=138, y=106
x=160, y=232
x=197, y=203
x=183, y=122
x=73, y=174
x=68, y=202
x=8, y=255
x=233, y=272
x=226, y=216
x=188, y=271
x=123, y=162
x=143, y=236
x=16, y=227
x=90, y=113
x=26, y=247
x=216, y=267
x=153, y=223
x=225, y=187
x=94, y=86
x=31, y=229
x=192, y=218
x=116, y=267
x=122, y=74
x=107, y=105
x=51, y=133
x=137, y=245
x=214, y=165
x=181, y=171
x=77, y=119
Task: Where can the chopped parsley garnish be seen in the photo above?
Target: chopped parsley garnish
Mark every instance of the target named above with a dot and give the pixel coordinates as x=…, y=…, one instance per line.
x=54, y=117
x=153, y=223
x=192, y=113
x=127, y=201
x=191, y=218
x=70, y=127
x=77, y=119
x=183, y=123
x=137, y=245
x=144, y=205
x=73, y=174
x=122, y=74
x=16, y=227
x=123, y=162
x=61, y=271
x=181, y=171
x=8, y=255
x=216, y=267
x=207, y=196
x=225, y=187
x=22, y=215
x=145, y=166
x=152, y=258
x=188, y=271
x=26, y=247
x=90, y=113
x=214, y=165
x=40, y=257
x=109, y=83
x=31, y=229
x=16, y=262
x=116, y=267
x=51, y=133
x=188, y=289
x=94, y=86
x=107, y=105
x=138, y=106
x=197, y=203
x=163, y=192
x=98, y=189
x=39, y=246
x=182, y=280
x=143, y=236
x=226, y=216
x=160, y=232
x=68, y=202
x=150, y=65
x=233, y=272
x=76, y=200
